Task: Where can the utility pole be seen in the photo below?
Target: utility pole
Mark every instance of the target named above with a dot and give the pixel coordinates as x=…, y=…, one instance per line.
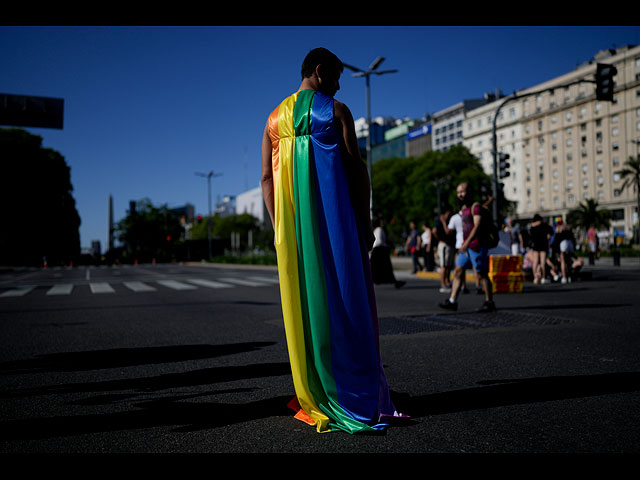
x=208, y=176
x=366, y=74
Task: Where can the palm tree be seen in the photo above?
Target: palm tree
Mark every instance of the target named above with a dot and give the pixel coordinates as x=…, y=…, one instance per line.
x=587, y=214
x=631, y=176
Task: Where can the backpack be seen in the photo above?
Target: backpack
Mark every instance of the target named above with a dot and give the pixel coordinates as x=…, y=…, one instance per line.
x=488, y=233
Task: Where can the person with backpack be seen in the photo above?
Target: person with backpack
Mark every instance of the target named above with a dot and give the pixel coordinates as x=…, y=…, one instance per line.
x=474, y=252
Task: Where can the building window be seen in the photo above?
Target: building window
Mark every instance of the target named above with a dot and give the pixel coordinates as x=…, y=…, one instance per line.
x=615, y=132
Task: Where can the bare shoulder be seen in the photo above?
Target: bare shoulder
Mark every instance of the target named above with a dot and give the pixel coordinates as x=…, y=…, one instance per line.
x=340, y=110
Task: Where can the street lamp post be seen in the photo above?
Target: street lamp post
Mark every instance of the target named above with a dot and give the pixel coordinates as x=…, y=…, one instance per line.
x=208, y=177
x=366, y=74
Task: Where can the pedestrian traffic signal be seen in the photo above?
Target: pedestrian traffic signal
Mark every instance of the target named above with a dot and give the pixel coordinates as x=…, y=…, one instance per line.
x=604, y=81
x=503, y=165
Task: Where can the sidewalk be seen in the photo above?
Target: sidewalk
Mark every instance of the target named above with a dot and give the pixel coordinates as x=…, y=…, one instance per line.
x=403, y=267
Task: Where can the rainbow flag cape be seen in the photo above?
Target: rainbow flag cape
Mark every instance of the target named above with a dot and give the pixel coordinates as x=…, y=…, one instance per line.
x=328, y=302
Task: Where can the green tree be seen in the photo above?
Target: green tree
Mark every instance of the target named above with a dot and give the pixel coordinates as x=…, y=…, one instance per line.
x=405, y=189
x=150, y=232
x=588, y=214
x=631, y=176
x=223, y=227
x=39, y=215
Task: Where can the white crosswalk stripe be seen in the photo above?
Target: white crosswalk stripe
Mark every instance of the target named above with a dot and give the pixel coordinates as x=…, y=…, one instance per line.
x=101, y=287
x=176, y=285
x=265, y=279
x=209, y=283
x=246, y=283
x=139, y=287
x=62, y=289
x=18, y=291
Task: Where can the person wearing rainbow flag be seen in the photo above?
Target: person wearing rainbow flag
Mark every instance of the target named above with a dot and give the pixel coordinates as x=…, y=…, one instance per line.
x=316, y=189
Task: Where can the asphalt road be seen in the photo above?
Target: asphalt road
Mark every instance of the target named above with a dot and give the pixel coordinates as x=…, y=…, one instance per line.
x=193, y=359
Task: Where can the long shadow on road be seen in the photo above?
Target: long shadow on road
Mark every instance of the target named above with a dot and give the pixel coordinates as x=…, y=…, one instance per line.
x=500, y=393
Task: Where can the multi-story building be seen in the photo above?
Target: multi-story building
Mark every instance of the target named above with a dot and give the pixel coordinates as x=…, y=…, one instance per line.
x=252, y=202
x=447, y=124
x=573, y=144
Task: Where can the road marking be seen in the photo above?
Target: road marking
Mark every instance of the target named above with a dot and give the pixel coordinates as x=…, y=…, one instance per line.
x=63, y=289
x=265, y=279
x=101, y=287
x=176, y=285
x=209, y=283
x=18, y=291
x=246, y=283
x=139, y=287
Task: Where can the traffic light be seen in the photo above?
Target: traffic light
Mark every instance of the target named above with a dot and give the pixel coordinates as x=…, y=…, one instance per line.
x=604, y=81
x=503, y=165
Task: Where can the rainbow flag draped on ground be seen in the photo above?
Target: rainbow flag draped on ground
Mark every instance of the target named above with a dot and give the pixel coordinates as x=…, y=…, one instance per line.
x=328, y=301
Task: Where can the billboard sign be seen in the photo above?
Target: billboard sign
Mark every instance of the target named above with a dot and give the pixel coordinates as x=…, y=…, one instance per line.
x=28, y=111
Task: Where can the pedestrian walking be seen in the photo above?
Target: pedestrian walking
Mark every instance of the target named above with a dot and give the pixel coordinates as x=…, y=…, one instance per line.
x=411, y=246
x=472, y=252
x=381, y=266
x=515, y=237
x=425, y=246
x=455, y=223
x=592, y=238
x=565, y=240
x=316, y=189
x=540, y=232
x=445, y=234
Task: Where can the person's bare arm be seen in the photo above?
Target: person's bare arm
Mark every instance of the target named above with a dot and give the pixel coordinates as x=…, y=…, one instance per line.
x=359, y=182
x=266, y=179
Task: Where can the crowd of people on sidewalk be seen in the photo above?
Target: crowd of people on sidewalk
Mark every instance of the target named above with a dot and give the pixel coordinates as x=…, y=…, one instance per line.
x=451, y=246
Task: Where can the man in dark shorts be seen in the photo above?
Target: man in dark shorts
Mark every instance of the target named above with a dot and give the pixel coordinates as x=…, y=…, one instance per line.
x=472, y=253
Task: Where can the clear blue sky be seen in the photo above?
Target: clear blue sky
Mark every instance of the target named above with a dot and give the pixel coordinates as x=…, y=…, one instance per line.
x=147, y=107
